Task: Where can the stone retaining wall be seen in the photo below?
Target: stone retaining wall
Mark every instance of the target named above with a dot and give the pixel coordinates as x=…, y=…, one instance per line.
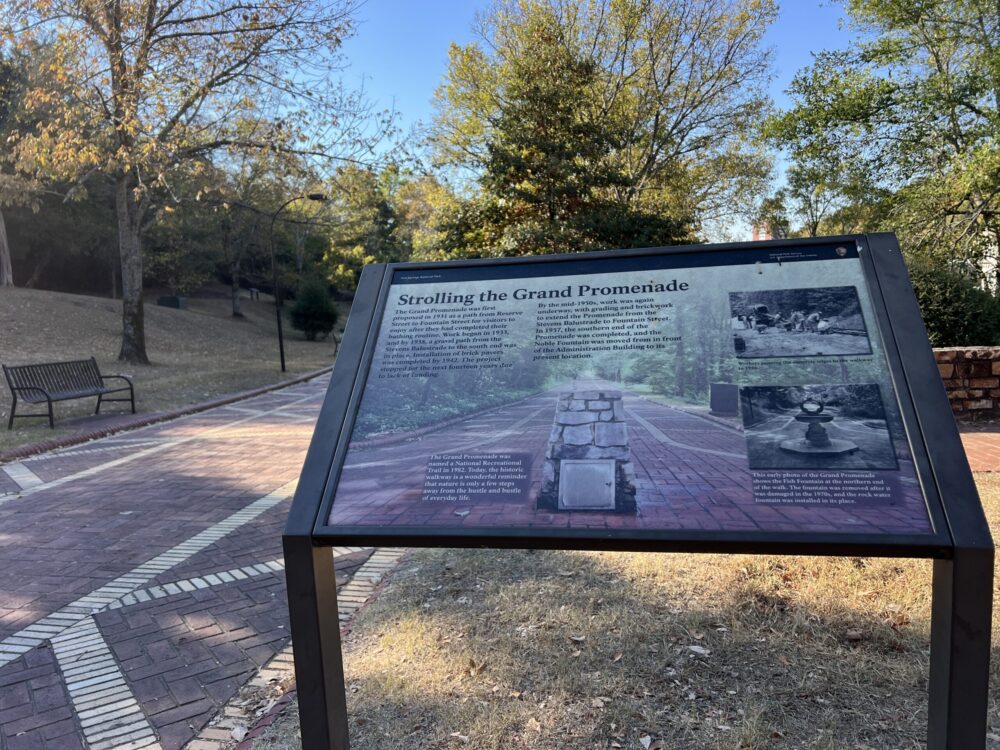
x=972, y=378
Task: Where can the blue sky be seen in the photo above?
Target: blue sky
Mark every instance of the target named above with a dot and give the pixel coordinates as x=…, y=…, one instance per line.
x=401, y=46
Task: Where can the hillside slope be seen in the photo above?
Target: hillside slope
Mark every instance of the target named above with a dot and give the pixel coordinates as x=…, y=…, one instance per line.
x=197, y=354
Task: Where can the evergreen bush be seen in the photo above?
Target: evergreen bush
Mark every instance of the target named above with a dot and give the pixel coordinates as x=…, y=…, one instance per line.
x=956, y=311
x=313, y=313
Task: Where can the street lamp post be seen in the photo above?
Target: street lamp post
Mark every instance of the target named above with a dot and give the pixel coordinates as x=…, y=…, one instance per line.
x=318, y=197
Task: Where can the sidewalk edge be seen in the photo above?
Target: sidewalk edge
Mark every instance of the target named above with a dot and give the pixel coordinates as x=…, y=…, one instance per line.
x=15, y=454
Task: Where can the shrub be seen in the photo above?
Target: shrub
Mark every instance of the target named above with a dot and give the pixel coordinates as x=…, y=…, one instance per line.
x=955, y=310
x=313, y=313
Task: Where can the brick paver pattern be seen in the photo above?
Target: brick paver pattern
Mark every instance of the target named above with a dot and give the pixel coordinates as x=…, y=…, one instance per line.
x=982, y=447
x=141, y=576
x=691, y=474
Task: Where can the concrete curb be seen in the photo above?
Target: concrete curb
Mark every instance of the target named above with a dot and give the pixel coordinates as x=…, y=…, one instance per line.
x=15, y=454
x=291, y=693
x=267, y=720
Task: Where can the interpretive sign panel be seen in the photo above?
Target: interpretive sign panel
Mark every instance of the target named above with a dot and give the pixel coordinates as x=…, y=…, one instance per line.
x=573, y=397
x=774, y=397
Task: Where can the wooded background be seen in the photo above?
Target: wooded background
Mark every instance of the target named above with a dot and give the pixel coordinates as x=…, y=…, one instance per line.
x=148, y=146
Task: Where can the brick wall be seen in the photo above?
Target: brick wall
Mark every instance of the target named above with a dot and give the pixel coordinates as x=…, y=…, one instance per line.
x=972, y=378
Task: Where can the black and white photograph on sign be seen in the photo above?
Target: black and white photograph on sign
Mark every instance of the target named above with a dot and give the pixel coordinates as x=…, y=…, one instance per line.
x=817, y=427
x=824, y=321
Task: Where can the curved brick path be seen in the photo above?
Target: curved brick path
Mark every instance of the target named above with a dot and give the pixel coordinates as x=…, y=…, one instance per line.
x=141, y=579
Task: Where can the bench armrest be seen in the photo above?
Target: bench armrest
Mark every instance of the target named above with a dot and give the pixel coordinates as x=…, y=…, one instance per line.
x=44, y=392
x=117, y=377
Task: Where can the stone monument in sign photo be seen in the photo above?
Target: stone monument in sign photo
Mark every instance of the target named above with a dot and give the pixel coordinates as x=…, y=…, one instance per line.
x=588, y=462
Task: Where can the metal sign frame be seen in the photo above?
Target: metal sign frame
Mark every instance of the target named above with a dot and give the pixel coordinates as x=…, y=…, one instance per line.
x=960, y=545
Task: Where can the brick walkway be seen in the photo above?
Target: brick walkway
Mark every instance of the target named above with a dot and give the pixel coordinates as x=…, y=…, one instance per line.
x=982, y=447
x=141, y=578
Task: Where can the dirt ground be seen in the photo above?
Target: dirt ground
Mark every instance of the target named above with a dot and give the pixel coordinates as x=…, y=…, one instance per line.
x=489, y=649
x=197, y=354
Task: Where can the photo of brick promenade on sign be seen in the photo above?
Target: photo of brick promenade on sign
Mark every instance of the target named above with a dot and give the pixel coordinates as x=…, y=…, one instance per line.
x=690, y=472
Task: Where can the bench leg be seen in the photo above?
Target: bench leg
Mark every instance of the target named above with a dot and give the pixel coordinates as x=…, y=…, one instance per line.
x=13, y=408
x=52, y=424
x=131, y=394
x=100, y=396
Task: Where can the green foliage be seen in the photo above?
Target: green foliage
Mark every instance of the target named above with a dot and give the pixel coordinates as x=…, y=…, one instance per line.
x=381, y=216
x=313, y=313
x=182, y=248
x=548, y=179
x=138, y=91
x=685, y=369
x=410, y=402
x=956, y=311
x=363, y=226
x=608, y=124
x=13, y=75
x=910, y=112
x=380, y=417
x=772, y=214
x=547, y=169
x=246, y=190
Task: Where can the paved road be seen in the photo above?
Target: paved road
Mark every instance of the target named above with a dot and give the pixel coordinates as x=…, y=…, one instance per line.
x=141, y=579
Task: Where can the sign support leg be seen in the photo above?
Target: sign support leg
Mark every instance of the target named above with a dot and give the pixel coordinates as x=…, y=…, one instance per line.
x=315, y=625
x=960, y=650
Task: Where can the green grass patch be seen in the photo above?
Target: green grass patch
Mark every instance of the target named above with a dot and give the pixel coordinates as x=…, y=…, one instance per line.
x=197, y=354
x=502, y=649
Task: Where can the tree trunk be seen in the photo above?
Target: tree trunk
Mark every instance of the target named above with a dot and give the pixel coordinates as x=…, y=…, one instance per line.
x=39, y=269
x=234, y=272
x=232, y=251
x=130, y=212
x=300, y=250
x=6, y=271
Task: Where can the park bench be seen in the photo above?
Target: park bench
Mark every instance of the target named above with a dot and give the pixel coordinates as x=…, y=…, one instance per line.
x=61, y=381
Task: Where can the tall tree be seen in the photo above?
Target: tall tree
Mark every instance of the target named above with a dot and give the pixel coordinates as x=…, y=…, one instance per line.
x=255, y=184
x=814, y=192
x=551, y=175
x=913, y=108
x=361, y=223
x=13, y=191
x=420, y=202
x=7, y=95
x=147, y=85
x=672, y=88
x=6, y=268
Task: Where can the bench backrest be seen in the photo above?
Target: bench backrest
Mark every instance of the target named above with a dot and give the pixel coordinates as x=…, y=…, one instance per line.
x=55, y=377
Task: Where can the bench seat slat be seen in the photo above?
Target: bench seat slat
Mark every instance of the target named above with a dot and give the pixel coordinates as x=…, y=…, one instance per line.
x=34, y=397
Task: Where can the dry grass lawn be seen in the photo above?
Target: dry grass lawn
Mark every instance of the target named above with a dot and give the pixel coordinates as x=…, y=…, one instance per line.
x=490, y=650
x=197, y=354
